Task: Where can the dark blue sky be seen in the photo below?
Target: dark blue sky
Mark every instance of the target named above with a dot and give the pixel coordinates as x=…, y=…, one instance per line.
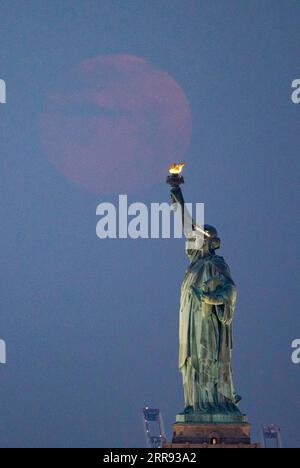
x=91, y=326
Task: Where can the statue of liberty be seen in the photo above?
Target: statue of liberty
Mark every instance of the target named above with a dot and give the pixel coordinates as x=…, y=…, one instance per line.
x=208, y=298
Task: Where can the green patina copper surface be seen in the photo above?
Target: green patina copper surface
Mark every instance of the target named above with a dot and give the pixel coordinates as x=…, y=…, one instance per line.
x=207, y=304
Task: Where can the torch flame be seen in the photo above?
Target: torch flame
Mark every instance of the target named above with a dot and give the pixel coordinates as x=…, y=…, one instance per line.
x=176, y=168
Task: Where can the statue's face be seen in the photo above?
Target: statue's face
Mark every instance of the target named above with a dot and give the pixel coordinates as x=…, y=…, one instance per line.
x=197, y=242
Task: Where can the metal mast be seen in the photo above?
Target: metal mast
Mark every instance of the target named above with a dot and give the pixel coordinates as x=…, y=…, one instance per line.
x=271, y=435
x=154, y=427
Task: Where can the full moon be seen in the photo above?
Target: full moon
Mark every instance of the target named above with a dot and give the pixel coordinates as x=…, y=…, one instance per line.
x=118, y=126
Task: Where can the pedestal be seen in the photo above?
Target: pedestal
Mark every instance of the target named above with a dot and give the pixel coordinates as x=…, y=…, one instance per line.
x=211, y=431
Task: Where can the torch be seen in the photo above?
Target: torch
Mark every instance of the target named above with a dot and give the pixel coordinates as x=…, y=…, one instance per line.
x=175, y=179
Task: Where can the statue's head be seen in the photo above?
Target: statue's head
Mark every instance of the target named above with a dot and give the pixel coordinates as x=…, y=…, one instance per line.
x=211, y=238
x=206, y=242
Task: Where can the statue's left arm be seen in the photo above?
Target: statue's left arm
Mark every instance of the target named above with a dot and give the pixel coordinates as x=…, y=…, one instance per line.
x=224, y=295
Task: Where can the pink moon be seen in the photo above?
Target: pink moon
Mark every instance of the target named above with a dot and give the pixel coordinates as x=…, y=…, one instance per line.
x=119, y=127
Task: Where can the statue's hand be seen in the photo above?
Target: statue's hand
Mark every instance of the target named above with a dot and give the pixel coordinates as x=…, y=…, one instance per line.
x=176, y=195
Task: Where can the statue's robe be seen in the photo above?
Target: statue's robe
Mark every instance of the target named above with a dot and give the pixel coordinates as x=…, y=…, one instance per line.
x=206, y=335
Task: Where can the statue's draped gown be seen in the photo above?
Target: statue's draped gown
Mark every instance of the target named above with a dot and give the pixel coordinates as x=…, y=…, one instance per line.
x=206, y=336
